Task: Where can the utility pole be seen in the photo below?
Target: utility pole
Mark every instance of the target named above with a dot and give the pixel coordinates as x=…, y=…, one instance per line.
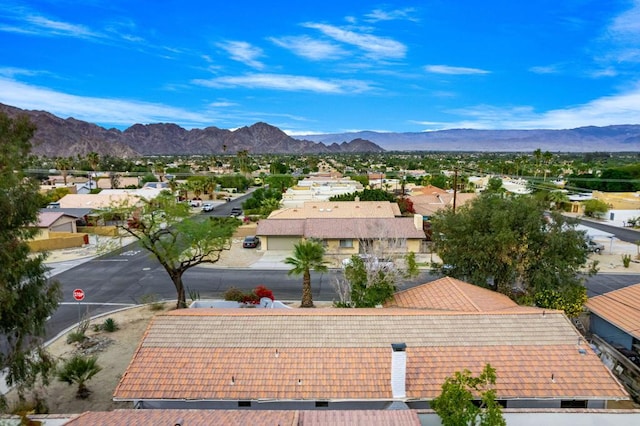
x=455, y=187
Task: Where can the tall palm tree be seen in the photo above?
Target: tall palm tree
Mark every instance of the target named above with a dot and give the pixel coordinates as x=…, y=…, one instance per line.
x=307, y=255
x=63, y=164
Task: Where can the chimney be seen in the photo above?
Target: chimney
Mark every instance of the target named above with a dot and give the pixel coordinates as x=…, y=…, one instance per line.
x=398, y=370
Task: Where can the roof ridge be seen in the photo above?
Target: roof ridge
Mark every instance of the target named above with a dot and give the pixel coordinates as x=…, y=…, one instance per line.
x=455, y=282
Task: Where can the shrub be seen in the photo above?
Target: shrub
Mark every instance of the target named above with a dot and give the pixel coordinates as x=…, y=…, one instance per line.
x=262, y=291
x=233, y=294
x=253, y=298
x=152, y=301
x=110, y=325
x=626, y=260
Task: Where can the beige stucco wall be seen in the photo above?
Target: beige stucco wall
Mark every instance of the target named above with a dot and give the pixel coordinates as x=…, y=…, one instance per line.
x=58, y=240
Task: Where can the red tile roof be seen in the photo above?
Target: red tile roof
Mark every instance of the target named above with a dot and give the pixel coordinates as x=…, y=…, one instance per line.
x=329, y=354
x=188, y=418
x=450, y=294
x=248, y=417
x=397, y=227
x=620, y=307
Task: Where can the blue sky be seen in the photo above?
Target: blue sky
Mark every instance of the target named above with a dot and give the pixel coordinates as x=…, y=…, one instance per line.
x=325, y=67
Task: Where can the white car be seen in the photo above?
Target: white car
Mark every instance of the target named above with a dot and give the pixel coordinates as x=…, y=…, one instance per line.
x=207, y=207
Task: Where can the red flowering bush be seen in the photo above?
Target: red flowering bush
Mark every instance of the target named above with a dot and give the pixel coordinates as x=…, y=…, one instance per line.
x=253, y=297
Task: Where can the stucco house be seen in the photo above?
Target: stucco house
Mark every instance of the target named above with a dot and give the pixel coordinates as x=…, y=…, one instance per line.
x=268, y=359
x=50, y=221
x=615, y=316
x=345, y=228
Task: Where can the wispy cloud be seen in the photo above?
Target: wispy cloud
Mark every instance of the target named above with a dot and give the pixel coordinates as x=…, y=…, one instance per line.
x=284, y=82
x=28, y=22
x=619, y=44
x=117, y=112
x=446, y=69
x=406, y=14
x=310, y=48
x=374, y=46
x=244, y=52
x=545, y=69
x=623, y=108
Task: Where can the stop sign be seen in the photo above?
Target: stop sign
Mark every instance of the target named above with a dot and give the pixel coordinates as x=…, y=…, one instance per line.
x=78, y=294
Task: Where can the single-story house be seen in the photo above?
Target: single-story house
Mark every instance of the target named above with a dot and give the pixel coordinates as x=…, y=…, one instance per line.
x=345, y=236
x=50, y=220
x=268, y=359
x=615, y=317
x=339, y=210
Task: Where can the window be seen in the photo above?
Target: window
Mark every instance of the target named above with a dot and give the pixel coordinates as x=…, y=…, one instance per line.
x=573, y=403
x=244, y=403
x=346, y=243
x=322, y=404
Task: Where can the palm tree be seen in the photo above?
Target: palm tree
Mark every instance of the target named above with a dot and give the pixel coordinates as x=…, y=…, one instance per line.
x=63, y=165
x=79, y=370
x=93, y=158
x=307, y=255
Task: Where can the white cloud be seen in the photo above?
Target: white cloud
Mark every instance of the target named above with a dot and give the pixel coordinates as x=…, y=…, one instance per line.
x=446, y=69
x=374, y=46
x=390, y=15
x=48, y=27
x=95, y=110
x=623, y=108
x=310, y=48
x=545, y=69
x=290, y=83
x=244, y=52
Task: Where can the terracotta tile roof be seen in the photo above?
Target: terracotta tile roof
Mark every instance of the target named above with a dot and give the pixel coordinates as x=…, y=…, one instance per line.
x=248, y=417
x=620, y=307
x=339, y=209
x=188, y=417
x=395, y=227
x=328, y=354
x=359, y=418
x=428, y=190
x=428, y=204
x=288, y=228
x=450, y=294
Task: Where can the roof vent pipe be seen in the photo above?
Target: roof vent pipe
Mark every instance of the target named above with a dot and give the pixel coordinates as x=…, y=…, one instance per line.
x=398, y=370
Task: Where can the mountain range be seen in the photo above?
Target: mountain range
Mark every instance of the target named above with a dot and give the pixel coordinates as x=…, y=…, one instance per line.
x=57, y=137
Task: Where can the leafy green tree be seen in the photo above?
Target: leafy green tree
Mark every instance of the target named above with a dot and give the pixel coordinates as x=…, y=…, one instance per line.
x=269, y=205
x=280, y=182
x=307, y=255
x=27, y=298
x=372, y=283
x=494, y=186
x=178, y=240
x=79, y=370
x=595, y=208
x=508, y=245
x=455, y=404
x=366, y=195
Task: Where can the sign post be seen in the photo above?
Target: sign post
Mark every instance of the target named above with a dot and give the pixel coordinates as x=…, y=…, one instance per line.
x=78, y=294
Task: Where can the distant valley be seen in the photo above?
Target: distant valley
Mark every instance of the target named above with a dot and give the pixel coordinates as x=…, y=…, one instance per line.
x=59, y=137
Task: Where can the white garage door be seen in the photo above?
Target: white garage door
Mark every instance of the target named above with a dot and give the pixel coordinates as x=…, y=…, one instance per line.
x=281, y=243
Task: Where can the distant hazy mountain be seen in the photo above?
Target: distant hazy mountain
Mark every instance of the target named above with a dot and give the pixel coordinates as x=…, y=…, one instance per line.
x=56, y=136
x=70, y=137
x=583, y=139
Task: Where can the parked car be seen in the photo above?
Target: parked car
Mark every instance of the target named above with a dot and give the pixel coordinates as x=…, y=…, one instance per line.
x=207, y=207
x=251, y=242
x=594, y=247
x=194, y=203
x=236, y=211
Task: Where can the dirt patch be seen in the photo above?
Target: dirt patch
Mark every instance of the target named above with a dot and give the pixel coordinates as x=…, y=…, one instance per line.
x=114, y=351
